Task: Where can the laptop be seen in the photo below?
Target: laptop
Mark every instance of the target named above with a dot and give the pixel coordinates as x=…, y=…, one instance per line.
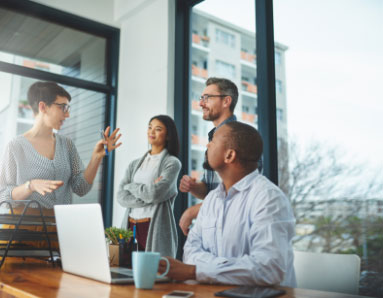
x=83, y=247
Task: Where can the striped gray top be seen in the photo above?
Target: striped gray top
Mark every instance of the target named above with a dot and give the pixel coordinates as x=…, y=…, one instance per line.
x=21, y=162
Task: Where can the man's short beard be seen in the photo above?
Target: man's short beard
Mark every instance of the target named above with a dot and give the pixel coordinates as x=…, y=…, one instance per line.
x=210, y=117
x=206, y=164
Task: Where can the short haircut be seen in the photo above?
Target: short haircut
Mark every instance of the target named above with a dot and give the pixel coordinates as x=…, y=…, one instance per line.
x=247, y=143
x=172, y=142
x=225, y=87
x=46, y=92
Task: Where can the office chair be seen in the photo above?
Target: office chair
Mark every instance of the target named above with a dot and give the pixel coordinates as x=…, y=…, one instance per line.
x=327, y=272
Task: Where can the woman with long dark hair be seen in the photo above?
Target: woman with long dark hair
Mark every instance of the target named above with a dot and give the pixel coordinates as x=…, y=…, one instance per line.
x=149, y=189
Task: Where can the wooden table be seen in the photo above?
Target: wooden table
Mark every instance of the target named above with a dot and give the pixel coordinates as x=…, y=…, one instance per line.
x=36, y=279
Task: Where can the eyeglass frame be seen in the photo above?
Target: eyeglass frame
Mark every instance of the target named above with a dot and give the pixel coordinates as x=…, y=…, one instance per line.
x=64, y=107
x=205, y=98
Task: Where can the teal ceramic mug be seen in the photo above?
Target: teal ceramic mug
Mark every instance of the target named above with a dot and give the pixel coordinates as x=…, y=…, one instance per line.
x=145, y=268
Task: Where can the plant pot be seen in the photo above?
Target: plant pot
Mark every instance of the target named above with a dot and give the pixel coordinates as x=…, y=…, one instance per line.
x=114, y=252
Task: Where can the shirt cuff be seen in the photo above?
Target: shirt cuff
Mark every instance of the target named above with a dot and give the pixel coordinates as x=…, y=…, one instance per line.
x=207, y=272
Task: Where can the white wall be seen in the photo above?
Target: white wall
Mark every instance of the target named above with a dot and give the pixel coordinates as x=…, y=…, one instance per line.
x=146, y=78
x=146, y=68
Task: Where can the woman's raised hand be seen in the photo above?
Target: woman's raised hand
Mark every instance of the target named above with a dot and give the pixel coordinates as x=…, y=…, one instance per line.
x=109, y=140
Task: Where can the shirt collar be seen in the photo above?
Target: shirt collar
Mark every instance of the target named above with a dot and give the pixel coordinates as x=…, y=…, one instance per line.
x=157, y=156
x=246, y=181
x=230, y=119
x=241, y=185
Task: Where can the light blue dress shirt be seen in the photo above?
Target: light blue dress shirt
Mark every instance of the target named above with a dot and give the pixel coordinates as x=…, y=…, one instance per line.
x=244, y=237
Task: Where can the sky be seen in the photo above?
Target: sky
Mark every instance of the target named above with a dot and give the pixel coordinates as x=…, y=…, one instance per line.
x=334, y=69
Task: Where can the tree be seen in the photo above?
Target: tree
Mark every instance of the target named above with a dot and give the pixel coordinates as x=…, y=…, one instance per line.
x=340, y=200
x=316, y=174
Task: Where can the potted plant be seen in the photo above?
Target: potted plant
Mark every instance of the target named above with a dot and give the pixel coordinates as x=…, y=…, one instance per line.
x=118, y=242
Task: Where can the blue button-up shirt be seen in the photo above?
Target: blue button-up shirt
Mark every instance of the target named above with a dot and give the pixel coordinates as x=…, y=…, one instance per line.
x=244, y=237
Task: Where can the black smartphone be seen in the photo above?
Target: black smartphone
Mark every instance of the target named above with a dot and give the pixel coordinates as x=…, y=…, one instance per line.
x=251, y=292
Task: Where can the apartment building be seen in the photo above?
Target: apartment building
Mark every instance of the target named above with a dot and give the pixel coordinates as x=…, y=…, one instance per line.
x=225, y=50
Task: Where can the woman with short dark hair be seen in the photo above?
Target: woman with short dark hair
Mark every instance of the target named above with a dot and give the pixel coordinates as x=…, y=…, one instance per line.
x=149, y=189
x=43, y=165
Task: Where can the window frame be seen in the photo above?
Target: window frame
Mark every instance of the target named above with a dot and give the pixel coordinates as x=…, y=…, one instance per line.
x=267, y=121
x=109, y=88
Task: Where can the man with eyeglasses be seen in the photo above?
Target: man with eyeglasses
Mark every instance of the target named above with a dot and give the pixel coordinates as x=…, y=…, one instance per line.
x=218, y=102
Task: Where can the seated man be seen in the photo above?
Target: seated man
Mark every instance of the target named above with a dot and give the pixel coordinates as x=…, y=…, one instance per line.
x=243, y=232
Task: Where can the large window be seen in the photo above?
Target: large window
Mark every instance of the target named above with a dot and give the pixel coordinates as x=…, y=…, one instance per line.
x=221, y=38
x=225, y=37
x=330, y=160
x=79, y=58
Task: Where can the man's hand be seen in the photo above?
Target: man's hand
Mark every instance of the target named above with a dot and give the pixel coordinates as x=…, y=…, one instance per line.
x=178, y=270
x=187, y=183
x=187, y=218
x=196, y=188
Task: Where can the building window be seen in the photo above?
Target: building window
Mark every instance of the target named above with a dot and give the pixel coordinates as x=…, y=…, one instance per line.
x=278, y=58
x=194, y=129
x=193, y=164
x=278, y=86
x=279, y=114
x=225, y=70
x=225, y=38
x=245, y=109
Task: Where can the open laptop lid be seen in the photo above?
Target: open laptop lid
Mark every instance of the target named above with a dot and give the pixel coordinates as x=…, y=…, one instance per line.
x=81, y=236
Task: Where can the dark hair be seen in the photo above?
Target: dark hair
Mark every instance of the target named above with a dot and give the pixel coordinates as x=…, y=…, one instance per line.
x=247, y=143
x=226, y=87
x=46, y=92
x=172, y=142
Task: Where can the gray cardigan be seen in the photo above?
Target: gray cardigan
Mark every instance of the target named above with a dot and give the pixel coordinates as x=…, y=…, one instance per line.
x=162, y=234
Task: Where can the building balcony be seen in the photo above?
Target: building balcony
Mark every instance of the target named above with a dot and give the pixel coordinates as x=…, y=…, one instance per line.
x=251, y=118
x=246, y=86
x=25, y=111
x=248, y=57
x=200, y=40
x=198, y=140
x=196, y=106
x=199, y=72
x=196, y=175
x=201, y=44
x=36, y=65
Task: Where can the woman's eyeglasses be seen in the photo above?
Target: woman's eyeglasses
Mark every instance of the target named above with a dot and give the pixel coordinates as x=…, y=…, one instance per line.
x=64, y=107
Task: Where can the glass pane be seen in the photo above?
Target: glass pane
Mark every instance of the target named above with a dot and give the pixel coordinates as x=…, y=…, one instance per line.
x=223, y=45
x=330, y=159
x=87, y=117
x=38, y=44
